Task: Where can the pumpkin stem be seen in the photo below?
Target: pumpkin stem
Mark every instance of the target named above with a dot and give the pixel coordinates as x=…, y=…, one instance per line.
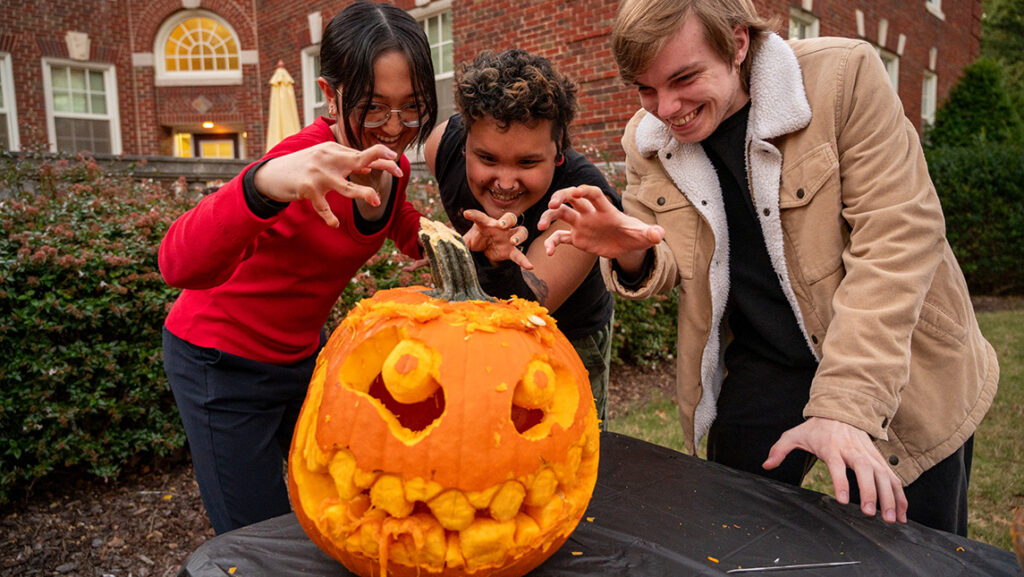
x=451, y=264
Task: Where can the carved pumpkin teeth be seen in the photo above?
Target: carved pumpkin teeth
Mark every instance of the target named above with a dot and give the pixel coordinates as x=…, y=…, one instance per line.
x=501, y=518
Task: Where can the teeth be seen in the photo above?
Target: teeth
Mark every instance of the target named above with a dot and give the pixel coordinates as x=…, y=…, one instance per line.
x=505, y=196
x=686, y=119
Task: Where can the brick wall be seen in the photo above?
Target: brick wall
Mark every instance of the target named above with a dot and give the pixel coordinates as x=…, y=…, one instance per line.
x=574, y=34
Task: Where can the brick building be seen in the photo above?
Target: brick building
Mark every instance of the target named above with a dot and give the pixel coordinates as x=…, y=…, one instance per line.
x=123, y=76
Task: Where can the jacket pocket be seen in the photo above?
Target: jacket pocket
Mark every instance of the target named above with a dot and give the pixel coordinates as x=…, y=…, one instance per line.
x=811, y=211
x=680, y=219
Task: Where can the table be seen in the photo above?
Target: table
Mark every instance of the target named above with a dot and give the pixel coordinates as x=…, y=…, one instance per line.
x=658, y=512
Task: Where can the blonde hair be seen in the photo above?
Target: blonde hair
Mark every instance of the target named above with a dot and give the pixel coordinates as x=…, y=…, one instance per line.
x=643, y=26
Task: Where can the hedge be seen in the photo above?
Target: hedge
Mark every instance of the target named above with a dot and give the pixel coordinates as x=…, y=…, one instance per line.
x=982, y=192
x=81, y=308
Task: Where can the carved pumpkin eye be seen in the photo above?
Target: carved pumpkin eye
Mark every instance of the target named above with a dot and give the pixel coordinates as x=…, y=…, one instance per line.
x=543, y=397
x=400, y=375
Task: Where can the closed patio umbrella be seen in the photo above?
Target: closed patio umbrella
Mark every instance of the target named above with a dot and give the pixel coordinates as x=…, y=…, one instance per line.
x=284, y=114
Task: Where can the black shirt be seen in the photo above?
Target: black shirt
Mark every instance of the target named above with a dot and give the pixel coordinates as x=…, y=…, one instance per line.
x=769, y=365
x=589, y=308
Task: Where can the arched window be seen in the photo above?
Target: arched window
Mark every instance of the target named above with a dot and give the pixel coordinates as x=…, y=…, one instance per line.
x=197, y=47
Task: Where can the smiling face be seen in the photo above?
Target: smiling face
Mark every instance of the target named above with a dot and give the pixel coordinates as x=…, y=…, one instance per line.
x=509, y=169
x=689, y=87
x=393, y=88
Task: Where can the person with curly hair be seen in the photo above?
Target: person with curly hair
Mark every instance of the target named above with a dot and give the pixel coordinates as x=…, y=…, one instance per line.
x=497, y=163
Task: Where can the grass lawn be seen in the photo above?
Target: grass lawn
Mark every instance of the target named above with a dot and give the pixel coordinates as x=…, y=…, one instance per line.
x=997, y=476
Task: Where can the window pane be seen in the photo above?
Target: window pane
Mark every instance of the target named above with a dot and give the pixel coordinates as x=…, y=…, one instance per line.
x=446, y=59
x=195, y=42
x=445, y=99
x=96, y=81
x=77, y=135
x=79, y=103
x=61, y=102
x=59, y=77
x=77, y=79
x=446, y=26
x=99, y=104
x=5, y=141
x=432, y=30
x=435, y=56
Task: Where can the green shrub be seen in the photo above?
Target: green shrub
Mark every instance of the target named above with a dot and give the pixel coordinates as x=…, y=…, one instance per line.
x=645, y=330
x=81, y=308
x=982, y=193
x=979, y=109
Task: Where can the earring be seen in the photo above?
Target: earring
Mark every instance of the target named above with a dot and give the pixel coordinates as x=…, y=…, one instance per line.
x=331, y=110
x=560, y=159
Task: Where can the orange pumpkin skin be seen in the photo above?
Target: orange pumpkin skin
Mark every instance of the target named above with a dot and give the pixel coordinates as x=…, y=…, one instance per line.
x=484, y=466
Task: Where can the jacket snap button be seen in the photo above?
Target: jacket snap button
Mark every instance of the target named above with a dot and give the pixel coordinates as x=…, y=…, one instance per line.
x=704, y=203
x=661, y=201
x=814, y=339
x=668, y=155
x=799, y=193
x=767, y=211
x=894, y=460
x=885, y=422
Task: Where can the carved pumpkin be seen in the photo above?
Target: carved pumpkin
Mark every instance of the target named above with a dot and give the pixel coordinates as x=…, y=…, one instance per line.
x=447, y=435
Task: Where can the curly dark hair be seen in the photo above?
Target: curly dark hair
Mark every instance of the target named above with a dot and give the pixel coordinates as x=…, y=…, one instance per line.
x=516, y=86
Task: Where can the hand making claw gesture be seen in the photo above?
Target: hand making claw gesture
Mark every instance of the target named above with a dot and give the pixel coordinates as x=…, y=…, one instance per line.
x=312, y=172
x=841, y=446
x=498, y=238
x=594, y=225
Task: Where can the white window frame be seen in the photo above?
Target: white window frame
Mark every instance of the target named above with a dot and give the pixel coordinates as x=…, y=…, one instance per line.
x=10, y=107
x=809, y=21
x=110, y=90
x=434, y=9
x=935, y=7
x=929, y=95
x=164, y=77
x=312, y=96
x=891, y=60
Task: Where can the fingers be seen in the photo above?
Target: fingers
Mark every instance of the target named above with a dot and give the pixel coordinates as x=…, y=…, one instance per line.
x=359, y=191
x=519, y=235
x=654, y=234
x=777, y=454
x=520, y=259
x=505, y=221
x=323, y=209
x=556, y=238
x=379, y=157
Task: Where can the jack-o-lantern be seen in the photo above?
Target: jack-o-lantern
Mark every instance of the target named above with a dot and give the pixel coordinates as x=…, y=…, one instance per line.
x=447, y=434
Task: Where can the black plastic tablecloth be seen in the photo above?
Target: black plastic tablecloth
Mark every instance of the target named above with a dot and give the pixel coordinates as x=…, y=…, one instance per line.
x=657, y=512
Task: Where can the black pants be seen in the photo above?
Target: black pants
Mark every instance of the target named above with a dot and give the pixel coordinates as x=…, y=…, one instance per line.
x=938, y=498
x=239, y=416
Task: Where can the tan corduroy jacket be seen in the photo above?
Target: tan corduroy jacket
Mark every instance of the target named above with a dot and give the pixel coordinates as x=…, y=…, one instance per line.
x=857, y=237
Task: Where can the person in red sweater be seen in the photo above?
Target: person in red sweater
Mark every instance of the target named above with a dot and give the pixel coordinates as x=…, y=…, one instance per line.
x=264, y=259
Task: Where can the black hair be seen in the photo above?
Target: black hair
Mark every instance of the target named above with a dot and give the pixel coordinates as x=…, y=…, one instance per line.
x=516, y=86
x=354, y=39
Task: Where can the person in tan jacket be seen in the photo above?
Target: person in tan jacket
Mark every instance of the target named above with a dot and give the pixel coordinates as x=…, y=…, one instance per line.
x=822, y=315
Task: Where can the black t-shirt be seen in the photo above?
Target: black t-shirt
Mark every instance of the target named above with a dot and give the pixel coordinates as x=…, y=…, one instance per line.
x=586, y=310
x=769, y=364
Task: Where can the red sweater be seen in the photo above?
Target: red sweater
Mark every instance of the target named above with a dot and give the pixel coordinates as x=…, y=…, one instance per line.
x=263, y=288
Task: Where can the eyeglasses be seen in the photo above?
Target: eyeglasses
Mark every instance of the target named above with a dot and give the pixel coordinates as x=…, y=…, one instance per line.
x=378, y=114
